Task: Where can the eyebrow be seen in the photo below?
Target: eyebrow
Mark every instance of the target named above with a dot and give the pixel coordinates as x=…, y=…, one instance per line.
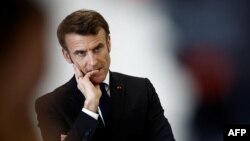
x=99, y=45
x=79, y=50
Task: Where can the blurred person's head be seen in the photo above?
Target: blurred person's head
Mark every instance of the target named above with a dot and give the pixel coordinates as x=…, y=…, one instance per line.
x=21, y=59
x=84, y=37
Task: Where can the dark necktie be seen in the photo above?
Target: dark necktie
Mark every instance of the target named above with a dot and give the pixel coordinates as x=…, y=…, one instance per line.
x=105, y=105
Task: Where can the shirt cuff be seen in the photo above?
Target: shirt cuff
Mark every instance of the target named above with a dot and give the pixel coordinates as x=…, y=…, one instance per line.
x=90, y=113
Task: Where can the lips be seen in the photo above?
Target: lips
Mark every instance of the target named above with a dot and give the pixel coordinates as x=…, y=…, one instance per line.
x=99, y=71
x=98, y=77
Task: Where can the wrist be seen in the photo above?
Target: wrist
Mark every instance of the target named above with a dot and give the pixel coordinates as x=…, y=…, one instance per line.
x=91, y=105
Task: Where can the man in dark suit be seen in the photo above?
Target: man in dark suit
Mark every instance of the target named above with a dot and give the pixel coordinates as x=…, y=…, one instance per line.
x=97, y=104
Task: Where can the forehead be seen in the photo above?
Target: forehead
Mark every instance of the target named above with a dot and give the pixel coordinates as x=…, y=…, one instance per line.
x=74, y=40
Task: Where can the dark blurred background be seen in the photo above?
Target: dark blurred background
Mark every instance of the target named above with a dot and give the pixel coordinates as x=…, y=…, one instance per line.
x=213, y=44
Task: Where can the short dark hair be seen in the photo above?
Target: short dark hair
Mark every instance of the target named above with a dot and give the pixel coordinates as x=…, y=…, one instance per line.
x=83, y=22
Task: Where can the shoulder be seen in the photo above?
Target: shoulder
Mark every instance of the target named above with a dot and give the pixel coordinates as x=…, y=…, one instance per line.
x=132, y=81
x=56, y=95
x=125, y=77
x=138, y=90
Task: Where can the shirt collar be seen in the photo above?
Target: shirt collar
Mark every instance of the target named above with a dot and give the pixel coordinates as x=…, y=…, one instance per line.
x=106, y=80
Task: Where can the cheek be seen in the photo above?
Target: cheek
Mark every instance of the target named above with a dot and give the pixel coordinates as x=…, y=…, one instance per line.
x=80, y=63
x=83, y=67
x=107, y=60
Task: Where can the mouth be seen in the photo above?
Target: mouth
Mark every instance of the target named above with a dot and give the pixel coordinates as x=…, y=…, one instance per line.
x=95, y=77
x=97, y=71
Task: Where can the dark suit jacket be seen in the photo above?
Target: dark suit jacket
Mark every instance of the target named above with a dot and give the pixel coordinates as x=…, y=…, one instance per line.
x=137, y=114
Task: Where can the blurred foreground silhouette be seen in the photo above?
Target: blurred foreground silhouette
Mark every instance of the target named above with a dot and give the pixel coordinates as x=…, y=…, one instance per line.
x=21, y=61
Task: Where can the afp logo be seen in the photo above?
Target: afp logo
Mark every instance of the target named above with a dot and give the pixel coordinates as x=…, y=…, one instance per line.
x=237, y=133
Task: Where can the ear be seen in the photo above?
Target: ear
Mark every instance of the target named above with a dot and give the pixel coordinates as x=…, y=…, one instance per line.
x=109, y=43
x=66, y=56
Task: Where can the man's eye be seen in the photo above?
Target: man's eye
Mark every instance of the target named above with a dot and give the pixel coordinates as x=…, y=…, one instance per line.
x=80, y=53
x=98, y=48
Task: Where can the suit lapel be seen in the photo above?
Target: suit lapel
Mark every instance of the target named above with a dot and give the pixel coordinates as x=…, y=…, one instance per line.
x=117, y=91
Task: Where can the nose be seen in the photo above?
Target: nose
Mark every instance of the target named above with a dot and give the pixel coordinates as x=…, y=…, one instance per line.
x=92, y=59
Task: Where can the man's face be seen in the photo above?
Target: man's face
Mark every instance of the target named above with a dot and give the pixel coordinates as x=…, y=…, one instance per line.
x=88, y=53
